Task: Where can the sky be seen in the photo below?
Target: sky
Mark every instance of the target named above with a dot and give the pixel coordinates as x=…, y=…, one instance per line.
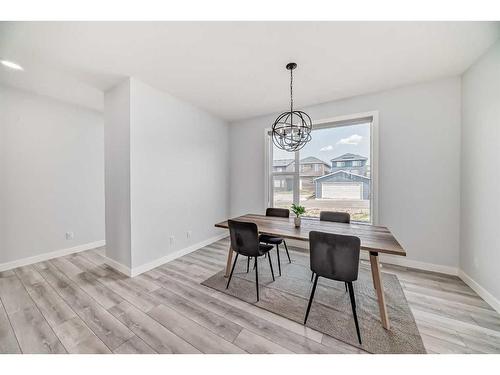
x=327, y=144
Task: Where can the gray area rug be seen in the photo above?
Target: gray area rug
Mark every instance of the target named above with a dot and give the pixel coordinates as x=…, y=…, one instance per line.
x=331, y=310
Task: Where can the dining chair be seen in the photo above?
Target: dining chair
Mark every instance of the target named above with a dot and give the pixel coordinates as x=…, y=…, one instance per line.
x=335, y=257
x=245, y=241
x=273, y=240
x=335, y=217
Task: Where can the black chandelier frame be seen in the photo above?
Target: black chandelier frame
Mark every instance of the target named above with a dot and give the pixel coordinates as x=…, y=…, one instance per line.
x=291, y=129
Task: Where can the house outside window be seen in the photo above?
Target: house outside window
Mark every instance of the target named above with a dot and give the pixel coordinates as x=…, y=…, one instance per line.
x=331, y=172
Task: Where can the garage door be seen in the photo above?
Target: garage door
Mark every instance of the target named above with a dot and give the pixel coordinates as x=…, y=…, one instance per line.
x=336, y=190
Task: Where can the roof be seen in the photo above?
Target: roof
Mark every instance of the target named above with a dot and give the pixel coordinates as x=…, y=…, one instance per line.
x=313, y=160
x=341, y=171
x=308, y=160
x=282, y=162
x=349, y=156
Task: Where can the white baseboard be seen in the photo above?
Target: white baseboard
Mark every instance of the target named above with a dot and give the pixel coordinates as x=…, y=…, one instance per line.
x=47, y=256
x=396, y=260
x=482, y=292
x=405, y=262
x=167, y=258
x=410, y=263
x=118, y=266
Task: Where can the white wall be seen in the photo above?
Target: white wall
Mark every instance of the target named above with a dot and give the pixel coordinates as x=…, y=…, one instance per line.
x=179, y=173
x=419, y=145
x=117, y=173
x=480, y=203
x=51, y=175
x=167, y=167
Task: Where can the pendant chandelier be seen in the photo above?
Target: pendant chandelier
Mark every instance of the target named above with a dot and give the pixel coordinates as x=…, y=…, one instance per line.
x=292, y=129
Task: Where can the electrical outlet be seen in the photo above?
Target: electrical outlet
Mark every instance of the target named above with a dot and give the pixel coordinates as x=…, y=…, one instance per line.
x=172, y=240
x=70, y=235
x=189, y=233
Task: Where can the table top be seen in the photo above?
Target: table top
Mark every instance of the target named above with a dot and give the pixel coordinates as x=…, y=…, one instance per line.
x=373, y=238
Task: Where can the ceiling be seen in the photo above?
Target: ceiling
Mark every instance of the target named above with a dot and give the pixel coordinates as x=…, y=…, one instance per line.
x=236, y=70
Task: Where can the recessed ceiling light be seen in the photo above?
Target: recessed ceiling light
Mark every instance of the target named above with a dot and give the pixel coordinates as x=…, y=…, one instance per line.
x=12, y=65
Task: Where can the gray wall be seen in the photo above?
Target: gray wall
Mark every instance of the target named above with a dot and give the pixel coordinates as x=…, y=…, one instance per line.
x=419, y=164
x=172, y=141
x=51, y=175
x=117, y=173
x=154, y=141
x=480, y=211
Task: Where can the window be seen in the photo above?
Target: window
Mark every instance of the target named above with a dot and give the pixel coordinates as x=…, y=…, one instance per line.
x=348, y=189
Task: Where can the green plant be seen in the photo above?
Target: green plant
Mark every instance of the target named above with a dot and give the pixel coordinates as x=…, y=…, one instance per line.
x=298, y=210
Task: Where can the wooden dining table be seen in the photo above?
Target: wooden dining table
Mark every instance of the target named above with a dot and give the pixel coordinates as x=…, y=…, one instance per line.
x=374, y=239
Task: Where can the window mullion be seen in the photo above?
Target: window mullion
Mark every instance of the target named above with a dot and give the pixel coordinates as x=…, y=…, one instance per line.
x=296, y=180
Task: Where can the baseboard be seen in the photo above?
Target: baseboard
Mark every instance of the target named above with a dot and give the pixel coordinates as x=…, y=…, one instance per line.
x=405, y=262
x=410, y=263
x=47, y=256
x=167, y=258
x=395, y=260
x=482, y=292
x=118, y=266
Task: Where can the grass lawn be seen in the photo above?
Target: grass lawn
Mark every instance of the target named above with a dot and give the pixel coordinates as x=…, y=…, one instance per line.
x=358, y=209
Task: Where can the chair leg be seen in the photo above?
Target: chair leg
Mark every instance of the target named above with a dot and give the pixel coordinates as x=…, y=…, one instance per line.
x=345, y=286
x=287, y=254
x=257, y=278
x=248, y=264
x=312, y=276
x=311, y=298
x=353, y=305
x=270, y=264
x=279, y=262
x=232, y=270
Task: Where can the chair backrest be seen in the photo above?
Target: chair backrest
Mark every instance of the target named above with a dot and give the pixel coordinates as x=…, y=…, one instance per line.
x=334, y=256
x=244, y=237
x=337, y=217
x=278, y=212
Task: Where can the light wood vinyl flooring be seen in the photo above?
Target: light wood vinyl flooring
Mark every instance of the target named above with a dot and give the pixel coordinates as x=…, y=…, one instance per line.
x=77, y=304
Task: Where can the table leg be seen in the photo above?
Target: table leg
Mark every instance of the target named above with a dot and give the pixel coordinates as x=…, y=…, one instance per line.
x=372, y=264
x=379, y=287
x=229, y=261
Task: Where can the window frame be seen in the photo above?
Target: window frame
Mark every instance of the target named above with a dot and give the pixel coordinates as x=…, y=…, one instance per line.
x=332, y=122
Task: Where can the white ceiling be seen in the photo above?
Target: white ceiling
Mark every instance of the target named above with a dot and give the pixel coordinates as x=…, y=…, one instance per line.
x=237, y=70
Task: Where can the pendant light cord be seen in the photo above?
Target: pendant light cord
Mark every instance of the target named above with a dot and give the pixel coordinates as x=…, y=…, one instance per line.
x=291, y=90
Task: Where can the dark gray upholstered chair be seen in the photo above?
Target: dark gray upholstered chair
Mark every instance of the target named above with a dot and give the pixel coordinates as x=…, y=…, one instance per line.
x=273, y=240
x=336, y=217
x=245, y=241
x=335, y=257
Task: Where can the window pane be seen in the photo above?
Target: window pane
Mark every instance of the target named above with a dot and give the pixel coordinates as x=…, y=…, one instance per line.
x=282, y=191
x=335, y=172
x=283, y=161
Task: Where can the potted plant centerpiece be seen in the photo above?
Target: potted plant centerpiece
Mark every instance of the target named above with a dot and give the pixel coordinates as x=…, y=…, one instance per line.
x=298, y=211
